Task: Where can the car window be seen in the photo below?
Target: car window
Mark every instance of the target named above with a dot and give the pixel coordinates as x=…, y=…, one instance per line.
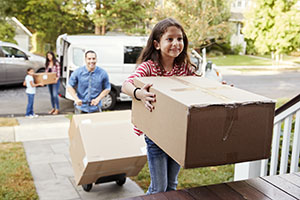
x=1, y=53
x=12, y=52
x=131, y=54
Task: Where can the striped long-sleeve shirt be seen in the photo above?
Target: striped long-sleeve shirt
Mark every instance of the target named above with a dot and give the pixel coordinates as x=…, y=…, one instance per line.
x=150, y=68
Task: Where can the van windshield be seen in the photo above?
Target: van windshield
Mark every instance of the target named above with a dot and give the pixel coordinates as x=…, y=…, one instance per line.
x=131, y=54
x=78, y=57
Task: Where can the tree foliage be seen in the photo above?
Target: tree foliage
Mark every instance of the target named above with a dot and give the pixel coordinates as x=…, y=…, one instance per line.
x=273, y=26
x=121, y=15
x=49, y=17
x=7, y=32
x=205, y=21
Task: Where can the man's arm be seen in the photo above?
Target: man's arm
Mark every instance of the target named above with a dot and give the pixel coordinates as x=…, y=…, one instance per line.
x=96, y=101
x=73, y=93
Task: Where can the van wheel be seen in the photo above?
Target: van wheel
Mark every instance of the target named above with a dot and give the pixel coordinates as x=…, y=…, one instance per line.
x=109, y=101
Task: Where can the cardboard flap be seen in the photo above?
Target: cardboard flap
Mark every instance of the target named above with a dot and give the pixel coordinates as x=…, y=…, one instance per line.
x=111, y=140
x=201, y=92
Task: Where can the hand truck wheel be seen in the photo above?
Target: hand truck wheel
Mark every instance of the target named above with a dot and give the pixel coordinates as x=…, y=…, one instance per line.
x=87, y=187
x=121, y=181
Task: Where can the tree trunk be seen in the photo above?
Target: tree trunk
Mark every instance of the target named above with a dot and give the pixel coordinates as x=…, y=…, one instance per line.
x=97, y=26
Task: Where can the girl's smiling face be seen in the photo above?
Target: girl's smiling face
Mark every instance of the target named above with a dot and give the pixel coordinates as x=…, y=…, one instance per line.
x=171, y=43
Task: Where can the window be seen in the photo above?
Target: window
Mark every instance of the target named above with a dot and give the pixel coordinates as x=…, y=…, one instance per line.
x=239, y=4
x=78, y=57
x=12, y=52
x=131, y=54
x=1, y=53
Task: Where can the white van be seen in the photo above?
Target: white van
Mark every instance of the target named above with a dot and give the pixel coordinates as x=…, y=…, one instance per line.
x=116, y=54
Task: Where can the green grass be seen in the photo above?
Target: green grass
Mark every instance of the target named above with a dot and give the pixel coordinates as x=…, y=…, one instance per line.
x=239, y=60
x=281, y=101
x=16, y=181
x=188, y=178
x=69, y=116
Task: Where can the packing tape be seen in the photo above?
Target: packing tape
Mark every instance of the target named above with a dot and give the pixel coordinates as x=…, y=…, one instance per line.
x=231, y=117
x=85, y=161
x=197, y=87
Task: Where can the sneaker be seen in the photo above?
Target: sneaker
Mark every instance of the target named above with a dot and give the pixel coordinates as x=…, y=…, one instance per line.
x=34, y=115
x=29, y=116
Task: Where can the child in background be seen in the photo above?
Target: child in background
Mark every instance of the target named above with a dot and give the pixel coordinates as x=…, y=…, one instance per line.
x=165, y=55
x=30, y=91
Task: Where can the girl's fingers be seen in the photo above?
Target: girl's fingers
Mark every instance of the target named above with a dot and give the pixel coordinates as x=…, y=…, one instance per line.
x=150, y=99
x=149, y=106
x=147, y=86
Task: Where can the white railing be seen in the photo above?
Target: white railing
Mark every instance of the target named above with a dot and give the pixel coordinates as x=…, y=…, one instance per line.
x=281, y=140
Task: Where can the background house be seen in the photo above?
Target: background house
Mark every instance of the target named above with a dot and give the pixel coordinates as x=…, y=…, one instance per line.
x=238, y=8
x=23, y=35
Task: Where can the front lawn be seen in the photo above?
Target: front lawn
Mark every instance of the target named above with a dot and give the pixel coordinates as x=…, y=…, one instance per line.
x=188, y=178
x=239, y=60
x=16, y=181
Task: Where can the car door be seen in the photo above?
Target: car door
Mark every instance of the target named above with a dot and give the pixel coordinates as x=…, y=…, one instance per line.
x=2, y=67
x=16, y=64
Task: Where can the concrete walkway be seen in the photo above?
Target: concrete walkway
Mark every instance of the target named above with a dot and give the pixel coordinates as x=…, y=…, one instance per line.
x=46, y=145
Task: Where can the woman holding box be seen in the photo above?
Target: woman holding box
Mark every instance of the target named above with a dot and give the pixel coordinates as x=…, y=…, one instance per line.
x=165, y=55
x=52, y=65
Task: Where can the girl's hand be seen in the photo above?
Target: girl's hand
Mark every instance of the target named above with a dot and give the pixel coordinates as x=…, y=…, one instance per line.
x=147, y=97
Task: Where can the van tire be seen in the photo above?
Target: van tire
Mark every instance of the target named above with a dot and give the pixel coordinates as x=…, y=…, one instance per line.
x=109, y=101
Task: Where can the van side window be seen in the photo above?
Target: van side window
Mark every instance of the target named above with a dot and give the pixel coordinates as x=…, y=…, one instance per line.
x=131, y=54
x=78, y=57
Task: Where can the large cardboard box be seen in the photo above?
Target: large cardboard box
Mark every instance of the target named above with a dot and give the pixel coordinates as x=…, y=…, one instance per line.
x=200, y=122
x=103, y=144
x=45, y=78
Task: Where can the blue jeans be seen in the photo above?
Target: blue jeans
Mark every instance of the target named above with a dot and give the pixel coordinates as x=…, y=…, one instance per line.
x=78, y=111
x=53, y=89
x=163, y=169
x=29, y=109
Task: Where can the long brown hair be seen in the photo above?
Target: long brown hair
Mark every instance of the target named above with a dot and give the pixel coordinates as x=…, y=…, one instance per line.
x=53, y=59
x=151, y=53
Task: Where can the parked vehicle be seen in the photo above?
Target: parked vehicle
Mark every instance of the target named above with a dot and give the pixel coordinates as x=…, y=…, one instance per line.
x=116, y=54
x=205, y=68
x=14, y=62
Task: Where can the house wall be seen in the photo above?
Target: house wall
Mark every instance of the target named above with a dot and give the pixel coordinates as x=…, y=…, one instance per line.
x=22, y=38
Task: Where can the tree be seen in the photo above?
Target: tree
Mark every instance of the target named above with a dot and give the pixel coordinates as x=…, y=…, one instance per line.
x=7, y=32
x=205, y=22
x=273, y=26
x=49, y=18
x=121, y=15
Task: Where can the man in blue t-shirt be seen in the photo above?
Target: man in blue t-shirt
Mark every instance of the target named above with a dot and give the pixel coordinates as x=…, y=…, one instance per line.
x=88, y=85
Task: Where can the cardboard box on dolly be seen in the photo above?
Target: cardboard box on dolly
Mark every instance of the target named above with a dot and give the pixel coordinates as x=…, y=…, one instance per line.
x=200, y=122
x=103, y=144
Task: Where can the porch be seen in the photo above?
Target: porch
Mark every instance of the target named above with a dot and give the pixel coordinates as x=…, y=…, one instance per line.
x=285, y=186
